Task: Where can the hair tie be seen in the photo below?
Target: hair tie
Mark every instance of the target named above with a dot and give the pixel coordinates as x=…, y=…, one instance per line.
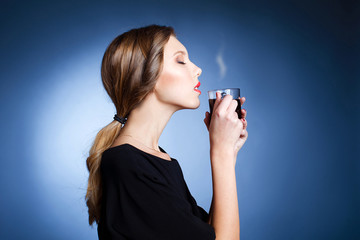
x=120, y=119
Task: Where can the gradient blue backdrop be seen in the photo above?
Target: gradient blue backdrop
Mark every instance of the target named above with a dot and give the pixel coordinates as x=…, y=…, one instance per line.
x=296, y=63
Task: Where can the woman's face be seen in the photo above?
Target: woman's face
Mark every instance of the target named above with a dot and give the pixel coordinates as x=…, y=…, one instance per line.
x=179, y=77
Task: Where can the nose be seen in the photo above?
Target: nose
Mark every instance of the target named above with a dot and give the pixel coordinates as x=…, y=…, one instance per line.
x=198, y=71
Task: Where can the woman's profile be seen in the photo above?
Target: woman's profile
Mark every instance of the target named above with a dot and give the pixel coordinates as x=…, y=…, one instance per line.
x=136, y=190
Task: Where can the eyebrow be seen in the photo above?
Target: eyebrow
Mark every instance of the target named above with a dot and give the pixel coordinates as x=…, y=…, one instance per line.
x=180, y=52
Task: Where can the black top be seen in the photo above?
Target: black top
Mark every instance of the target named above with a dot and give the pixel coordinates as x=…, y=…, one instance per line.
x=146, y=197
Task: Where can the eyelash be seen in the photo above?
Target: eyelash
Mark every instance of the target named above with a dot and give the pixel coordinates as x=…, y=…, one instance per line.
x=181, y=62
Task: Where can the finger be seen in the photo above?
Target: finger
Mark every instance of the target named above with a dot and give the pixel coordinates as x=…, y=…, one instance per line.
x=242, y=139
x=224, y=104
x=244, y=123
x=243, y=113
x=234, y=115
x=232, y=106
x=244, y=134
x=217, y=101
x=207, y=120
x=242, y=100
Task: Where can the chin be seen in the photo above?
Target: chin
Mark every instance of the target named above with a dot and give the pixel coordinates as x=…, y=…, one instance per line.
x=192, y=103
x=195, y=104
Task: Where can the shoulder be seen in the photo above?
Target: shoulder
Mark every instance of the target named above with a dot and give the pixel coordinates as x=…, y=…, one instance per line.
x=119, y=158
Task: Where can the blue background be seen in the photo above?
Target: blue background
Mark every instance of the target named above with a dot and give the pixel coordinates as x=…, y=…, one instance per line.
x=296, y=63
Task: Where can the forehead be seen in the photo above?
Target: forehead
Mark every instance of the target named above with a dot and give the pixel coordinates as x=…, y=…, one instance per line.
x=173, y=46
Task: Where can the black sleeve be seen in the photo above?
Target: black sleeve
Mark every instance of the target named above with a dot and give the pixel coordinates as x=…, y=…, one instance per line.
x=141, y=206
x=204, y=215
x=200, y=211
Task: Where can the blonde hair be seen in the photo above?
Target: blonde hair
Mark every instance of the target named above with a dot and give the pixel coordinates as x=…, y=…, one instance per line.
x=130, y=68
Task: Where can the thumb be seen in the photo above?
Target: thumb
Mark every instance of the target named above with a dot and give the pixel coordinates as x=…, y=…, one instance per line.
x=207, y=120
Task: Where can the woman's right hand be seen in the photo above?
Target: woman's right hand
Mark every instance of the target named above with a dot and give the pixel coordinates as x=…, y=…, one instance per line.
x=227, y=132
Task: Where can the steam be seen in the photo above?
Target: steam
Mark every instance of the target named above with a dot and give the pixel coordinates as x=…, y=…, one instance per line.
x=220, y=62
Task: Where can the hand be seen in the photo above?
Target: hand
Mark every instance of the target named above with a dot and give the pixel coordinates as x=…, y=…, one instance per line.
x=243, y=135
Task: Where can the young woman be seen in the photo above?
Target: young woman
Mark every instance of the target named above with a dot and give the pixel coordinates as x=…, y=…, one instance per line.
x=135, y=189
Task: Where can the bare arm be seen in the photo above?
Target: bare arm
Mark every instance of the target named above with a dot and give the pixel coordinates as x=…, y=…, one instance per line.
x=224, y=132
x=224, y=211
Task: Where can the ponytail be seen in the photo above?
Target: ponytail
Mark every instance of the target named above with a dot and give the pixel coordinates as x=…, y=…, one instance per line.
x=103, y=140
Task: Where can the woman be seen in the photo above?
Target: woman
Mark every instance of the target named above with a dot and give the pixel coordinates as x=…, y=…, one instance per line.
x=135, y=189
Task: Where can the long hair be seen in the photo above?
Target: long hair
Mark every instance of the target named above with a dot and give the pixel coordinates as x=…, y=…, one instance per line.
x=130, y=68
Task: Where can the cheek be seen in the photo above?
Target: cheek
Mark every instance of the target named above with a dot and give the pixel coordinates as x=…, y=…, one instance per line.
x=175, y=87
x=170, y=86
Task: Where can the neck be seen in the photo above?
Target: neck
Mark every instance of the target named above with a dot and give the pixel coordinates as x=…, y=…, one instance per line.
x=147, y=121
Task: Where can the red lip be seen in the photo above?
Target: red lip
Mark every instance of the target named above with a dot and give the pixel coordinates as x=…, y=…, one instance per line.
x=197, y=90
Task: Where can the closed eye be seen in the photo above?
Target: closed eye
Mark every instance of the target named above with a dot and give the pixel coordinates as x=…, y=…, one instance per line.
x=181, y=62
